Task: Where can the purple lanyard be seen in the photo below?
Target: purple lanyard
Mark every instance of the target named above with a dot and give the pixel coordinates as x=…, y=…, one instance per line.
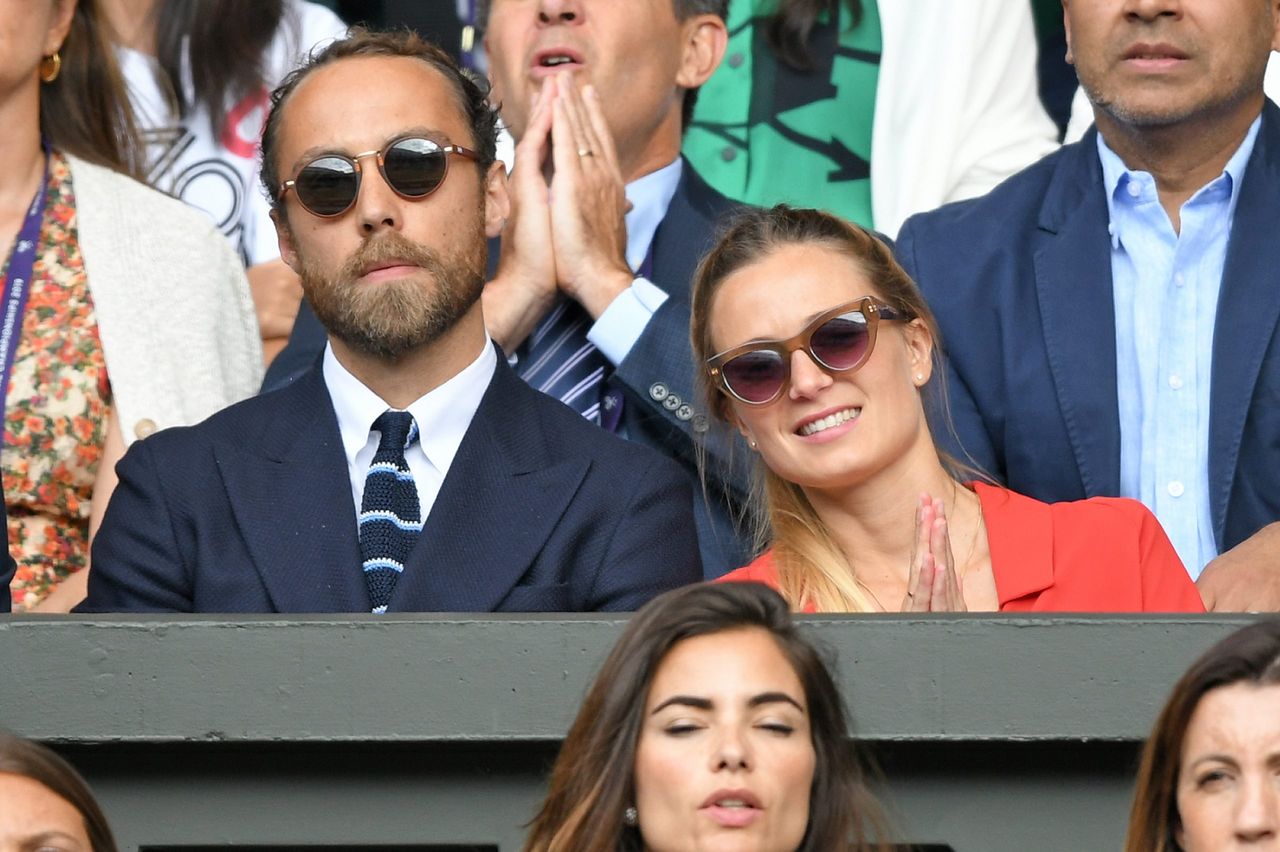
x=17, y=284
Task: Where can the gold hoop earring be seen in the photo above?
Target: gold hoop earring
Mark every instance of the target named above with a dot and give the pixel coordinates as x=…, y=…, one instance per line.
x=51, y=67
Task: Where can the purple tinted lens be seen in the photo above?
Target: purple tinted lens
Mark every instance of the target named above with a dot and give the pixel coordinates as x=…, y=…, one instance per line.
x=841, y=343
x=326, y=186
x=755, y=376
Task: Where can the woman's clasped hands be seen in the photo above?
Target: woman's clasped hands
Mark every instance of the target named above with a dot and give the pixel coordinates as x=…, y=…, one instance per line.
x=933, y=585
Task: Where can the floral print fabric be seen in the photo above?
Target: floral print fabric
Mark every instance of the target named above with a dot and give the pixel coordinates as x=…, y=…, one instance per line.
x=56, y=409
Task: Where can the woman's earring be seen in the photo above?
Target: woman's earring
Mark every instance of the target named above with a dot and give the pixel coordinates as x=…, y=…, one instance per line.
x=919, y=378
x=631, y=816
x=51, y=67
x=751, y=442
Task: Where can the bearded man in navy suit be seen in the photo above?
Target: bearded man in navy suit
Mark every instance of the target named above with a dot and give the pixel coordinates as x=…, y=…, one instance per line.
x=590, y=295
x=410, y=469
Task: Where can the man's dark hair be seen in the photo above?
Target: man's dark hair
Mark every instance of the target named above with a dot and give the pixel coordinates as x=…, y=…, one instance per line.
x=684, y=9
x=472, y=92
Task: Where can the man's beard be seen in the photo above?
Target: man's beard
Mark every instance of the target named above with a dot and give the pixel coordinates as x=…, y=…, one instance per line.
x=389, y=319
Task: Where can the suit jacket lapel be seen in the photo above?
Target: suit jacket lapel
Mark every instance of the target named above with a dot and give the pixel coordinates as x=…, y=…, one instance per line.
x=499, y=502
x=1248, y=312
x=1077, y=311
x=686, y=232
x=291, y=496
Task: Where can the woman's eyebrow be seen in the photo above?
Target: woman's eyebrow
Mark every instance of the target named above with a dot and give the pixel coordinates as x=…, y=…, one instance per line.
x=774, y=698
x=684, y=701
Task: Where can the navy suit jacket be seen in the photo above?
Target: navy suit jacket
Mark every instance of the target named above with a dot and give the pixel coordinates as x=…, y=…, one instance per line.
x=251, y=511
x=1020, y=281
x=663, y=408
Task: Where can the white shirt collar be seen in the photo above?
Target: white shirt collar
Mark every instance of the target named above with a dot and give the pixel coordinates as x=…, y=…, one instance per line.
x=650, y=196
x=443, y=414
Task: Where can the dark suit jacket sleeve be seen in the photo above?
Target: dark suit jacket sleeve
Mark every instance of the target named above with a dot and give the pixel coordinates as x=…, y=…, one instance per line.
x=137, y=565
x=957, y=424
x=654, y=546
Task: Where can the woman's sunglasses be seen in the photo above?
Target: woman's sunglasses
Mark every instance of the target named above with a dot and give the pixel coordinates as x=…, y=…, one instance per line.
x=838, y=340
x=412, y=166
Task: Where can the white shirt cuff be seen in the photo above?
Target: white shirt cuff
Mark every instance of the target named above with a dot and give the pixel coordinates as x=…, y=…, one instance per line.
x=622, y=323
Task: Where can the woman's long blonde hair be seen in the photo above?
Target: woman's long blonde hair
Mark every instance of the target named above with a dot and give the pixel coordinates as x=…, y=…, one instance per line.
x=812, y=569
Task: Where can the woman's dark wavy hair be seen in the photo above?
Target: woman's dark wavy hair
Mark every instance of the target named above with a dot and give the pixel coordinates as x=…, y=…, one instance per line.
x=472, y=92
x=1250, y=655
x=33, y=761
x=592, y=782
x=226, y=41
x=86, y=111
x=789, y=28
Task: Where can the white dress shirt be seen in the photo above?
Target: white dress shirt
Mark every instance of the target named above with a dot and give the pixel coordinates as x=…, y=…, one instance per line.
x=443, y=416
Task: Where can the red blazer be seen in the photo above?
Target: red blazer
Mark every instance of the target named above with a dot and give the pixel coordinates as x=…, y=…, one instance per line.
x=1104, y=554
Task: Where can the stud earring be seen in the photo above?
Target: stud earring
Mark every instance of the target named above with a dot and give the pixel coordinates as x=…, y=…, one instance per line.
x=752, y=443
x=631, y=816
x=920, y=378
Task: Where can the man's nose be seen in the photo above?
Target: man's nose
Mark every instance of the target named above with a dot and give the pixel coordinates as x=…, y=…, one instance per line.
x=807, y=378
x=377, y=204
x=559, y=11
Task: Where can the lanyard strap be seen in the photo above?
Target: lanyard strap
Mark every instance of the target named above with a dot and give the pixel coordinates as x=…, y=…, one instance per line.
x=17, y=284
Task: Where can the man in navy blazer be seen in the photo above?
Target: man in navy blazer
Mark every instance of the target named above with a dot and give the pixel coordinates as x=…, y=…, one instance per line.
x=521, y=504
x=1110, y=314
x=627, y=223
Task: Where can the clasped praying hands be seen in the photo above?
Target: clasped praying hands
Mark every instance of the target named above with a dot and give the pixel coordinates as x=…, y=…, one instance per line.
x=566, y=232
x=933, y=584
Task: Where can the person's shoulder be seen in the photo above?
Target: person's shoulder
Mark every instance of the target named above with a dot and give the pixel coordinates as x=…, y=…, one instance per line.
x=760, y=570
x=1010, y=207
x=238, y=425
x=124, y=199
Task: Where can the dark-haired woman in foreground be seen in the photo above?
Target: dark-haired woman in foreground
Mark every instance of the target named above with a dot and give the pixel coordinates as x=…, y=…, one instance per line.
x=712, y=724
x=1210, y=774
x=820, y=351
x=45, y=804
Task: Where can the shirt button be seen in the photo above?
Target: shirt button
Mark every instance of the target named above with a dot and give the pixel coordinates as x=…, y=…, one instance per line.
x=736, y=59
x=1180, y=279
x=1176, y=489
x=729, y=153
x=1175, y=382
x=1134, y=189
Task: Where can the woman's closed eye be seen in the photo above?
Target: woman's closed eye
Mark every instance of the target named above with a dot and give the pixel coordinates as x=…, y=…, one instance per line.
x=1212, y=779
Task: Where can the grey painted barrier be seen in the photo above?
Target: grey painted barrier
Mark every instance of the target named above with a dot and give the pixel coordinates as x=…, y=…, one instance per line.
x=434, y=732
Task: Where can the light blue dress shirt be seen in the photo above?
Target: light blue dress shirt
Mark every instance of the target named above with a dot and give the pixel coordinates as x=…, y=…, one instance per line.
x=1165, y=287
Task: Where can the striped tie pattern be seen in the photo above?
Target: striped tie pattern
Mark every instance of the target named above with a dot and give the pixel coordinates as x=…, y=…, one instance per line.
x=559, y=360
x=390, y=515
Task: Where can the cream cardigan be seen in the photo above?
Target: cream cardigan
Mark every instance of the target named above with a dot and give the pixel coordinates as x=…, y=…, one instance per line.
x=175, y=316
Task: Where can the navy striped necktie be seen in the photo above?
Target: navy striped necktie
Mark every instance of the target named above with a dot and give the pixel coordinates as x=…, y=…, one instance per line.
x=390, y=514
x=561, y=362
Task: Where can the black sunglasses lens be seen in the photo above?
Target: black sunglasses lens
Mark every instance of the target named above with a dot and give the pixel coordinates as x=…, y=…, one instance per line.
x=414, y=167
x=327, y=186
x=755, y=376
x=841, y=343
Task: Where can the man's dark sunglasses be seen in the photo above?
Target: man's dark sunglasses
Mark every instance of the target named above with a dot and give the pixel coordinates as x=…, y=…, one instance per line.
x=412, y=166
x=838, y=340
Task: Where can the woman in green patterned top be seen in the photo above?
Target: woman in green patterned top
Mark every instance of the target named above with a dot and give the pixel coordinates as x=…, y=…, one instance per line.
x=870, y=110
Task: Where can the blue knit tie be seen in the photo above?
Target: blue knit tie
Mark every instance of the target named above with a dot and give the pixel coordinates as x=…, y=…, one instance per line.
x=390, y=515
